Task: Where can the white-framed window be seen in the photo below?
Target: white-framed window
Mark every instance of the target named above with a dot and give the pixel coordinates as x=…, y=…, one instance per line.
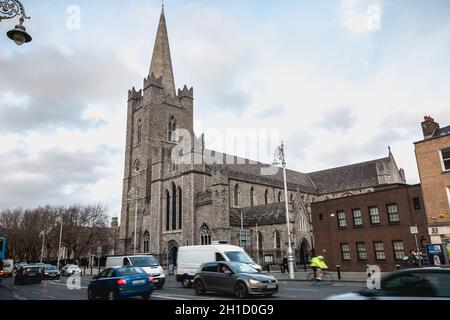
x=342, y=221
x=445, y=157
x=448, y=194
x=345, y=252
x=393, y=214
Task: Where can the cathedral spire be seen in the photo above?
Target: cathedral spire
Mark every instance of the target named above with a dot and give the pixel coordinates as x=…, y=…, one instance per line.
x=161, y=60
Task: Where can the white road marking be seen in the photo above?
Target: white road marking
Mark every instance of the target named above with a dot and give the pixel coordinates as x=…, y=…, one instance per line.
x=52, y=297
x=292, y=289
x=63, y=285
x=167, y=297
x=184, y=297
x=16, y=296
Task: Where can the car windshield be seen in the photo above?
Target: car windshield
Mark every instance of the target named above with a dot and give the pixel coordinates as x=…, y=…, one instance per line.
x=242, y=268
x=239, y=256
x=31, y=269
x=144, y=261
x=49, y=267
x=130, y=271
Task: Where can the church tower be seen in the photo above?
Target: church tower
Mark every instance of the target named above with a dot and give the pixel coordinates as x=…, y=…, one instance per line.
x=154, y=114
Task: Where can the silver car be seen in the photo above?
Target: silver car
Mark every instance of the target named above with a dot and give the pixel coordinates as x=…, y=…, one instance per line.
x=235, y=278
x=409, y=284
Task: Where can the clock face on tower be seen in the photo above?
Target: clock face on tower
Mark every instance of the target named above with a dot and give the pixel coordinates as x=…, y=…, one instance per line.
x=137, y=166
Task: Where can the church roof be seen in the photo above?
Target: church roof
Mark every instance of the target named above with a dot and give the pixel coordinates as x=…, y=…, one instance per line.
x=260, y=172
x=161, y=64
x=270, y=214
x=355, y=176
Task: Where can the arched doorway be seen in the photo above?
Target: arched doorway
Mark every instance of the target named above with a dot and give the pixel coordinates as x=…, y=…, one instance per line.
x=172, y=253
x=305, y=252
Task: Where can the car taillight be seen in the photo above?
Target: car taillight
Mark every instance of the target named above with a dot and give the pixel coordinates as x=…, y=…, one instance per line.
x=151, y=279
x=121, y=282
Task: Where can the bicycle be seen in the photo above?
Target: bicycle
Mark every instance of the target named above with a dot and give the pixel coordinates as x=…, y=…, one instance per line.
x=326, y=276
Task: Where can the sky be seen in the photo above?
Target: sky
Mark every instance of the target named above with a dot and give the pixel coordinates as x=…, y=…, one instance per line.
x=338, y=80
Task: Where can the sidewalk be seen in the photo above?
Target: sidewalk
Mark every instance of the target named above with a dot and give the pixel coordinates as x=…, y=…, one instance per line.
x=302, y=276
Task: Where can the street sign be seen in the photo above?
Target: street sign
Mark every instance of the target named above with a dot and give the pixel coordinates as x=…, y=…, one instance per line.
x=414, y=230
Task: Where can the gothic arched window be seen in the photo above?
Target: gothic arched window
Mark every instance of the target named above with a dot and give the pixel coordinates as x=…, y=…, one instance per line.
x=146, y=242
x=277, y=244
x=205, y=235
x=167, y=195
x=172, y=129
x=174, y=207
x=252, y=197
x=260, y=242
x=139, y=132
x=180, y=209
x=236, y=195
x=280, y=196
x=291, y=198
x=266, y=197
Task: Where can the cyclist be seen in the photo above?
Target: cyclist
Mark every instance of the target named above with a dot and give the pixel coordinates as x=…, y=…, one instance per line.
x=318, y=265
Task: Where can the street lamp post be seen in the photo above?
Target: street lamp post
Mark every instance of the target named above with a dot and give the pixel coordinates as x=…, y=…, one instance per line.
x=133, y=193
x=280, y=158
x=10, y=9
x=60, y=221
x=42, y=235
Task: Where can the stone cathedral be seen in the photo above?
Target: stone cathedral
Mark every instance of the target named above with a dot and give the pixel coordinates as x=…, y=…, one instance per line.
x=196, y=203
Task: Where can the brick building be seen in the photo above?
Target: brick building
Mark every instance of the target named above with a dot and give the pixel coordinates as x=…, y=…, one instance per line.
x=433, y=161
x=371, y=228
x=196, y=201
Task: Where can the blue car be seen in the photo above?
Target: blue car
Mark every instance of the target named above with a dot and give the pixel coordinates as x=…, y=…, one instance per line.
x=121, y=282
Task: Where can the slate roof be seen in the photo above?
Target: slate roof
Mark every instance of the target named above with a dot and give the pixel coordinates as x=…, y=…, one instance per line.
x=359, y=175
x=442, y=131
x=350, y=177
x=270, y=214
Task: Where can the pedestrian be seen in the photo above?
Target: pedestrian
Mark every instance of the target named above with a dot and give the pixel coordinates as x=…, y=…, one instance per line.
x=284, y=266
x=412, y=258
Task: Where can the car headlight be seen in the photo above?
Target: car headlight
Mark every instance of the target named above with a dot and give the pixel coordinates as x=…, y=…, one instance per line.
x=254, y=282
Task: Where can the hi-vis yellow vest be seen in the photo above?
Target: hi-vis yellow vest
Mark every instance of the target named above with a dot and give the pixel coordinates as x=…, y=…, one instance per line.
x=316, y=262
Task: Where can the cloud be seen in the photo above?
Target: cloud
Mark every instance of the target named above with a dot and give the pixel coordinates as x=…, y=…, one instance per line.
x=51, y=176
x=340, y=119
x=271, y=112
x=50, y=89
x=360, y=16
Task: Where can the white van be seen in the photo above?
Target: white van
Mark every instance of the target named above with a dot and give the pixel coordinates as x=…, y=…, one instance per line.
x=8, y=267
x=192, y=257
x=147, y=262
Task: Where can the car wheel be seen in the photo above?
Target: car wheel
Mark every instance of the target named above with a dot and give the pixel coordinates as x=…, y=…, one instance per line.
x=91, y=296
x=240, y=290
x=146, y=296
x=199, y=288
x=186, y=283
x=111, y=296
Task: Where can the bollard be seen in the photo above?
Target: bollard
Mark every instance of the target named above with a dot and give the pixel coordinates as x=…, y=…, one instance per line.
x=338, y=267
x=305, y=267
x=91, y=269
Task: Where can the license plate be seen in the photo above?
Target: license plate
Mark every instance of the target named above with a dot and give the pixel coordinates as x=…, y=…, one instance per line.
x=31, y=274
x=155, y=280
x=138, y=281
x=272, y=286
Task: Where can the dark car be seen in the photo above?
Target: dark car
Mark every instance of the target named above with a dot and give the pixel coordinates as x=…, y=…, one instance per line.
x=28, y=274
x=121, y=282
x=51, y=272
x=408, y=284
x=234, y=277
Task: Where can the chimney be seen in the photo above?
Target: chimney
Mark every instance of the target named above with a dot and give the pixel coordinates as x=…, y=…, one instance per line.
x=429, y=127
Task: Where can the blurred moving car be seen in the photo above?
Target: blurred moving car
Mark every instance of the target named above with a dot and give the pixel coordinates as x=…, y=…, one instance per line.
x=70, y=270
x=121, y=282
x=17, y=266
x=8, y=268
x=190, y=258
x=51, y=272
x=28, y=274
x=234, y=277
x=408, y=284
x=147, y=262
